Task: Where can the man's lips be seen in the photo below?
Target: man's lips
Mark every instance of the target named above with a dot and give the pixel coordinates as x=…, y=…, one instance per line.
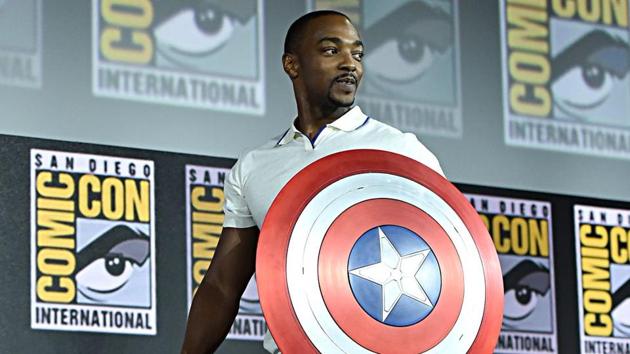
x=347, y=79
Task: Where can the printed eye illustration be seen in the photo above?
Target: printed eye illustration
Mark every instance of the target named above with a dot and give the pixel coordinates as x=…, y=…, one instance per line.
x=107, y=274
x=524, y=285
x=585, y=73
x=107, y=264
x=196, y=31
x=409, y=39
x=621, y=310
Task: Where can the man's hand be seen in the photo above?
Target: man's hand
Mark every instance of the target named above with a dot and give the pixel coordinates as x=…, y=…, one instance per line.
x=215, y=303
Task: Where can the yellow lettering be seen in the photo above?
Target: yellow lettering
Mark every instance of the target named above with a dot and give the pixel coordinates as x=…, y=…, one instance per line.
x=617, y=9
x=519, y=102
x=539, y=237
x=500, y=224
x=206, y=240
x=598, y=324
x=138, y=14
x=595, y=274
x=589, y=10
x=199, y=270
x=529, y=68
x=212, y=206
x=519, y=236
x=619, y=252
x=137, y=202
x=64, y=293
x=599, y=239
x=597, y=301
x=530, y=31
x=112, y=49
x=64, y=191
x=54, y=261
x=55, y=229
x=87, y=184
x=113, y=198
x=564, y=8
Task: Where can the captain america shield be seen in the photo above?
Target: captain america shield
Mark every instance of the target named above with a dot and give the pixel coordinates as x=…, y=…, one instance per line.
x=367, y=251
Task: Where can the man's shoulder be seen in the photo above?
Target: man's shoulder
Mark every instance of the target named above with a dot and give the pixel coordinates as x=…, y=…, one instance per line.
x=408, y=144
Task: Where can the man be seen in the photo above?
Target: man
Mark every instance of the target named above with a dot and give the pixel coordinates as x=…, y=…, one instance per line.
x=323, y=53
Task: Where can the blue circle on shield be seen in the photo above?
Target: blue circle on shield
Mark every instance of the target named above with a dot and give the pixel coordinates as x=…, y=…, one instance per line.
x=394, y=275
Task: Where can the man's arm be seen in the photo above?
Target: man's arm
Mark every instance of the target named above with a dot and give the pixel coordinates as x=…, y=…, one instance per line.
x=216, y=301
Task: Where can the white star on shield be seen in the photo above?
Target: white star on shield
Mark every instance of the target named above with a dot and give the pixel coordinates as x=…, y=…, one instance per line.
x=396, y=275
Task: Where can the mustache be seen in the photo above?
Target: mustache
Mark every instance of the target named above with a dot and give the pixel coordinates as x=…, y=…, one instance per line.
x=347, y=76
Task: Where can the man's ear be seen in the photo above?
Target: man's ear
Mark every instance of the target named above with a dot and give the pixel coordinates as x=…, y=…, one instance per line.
x=290, y=65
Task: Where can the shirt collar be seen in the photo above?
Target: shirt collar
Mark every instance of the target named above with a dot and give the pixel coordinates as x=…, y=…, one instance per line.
x=351, y=120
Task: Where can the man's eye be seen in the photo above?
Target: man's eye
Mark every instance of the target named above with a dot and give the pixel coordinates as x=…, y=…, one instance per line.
x=330, y=51
x=358, y=56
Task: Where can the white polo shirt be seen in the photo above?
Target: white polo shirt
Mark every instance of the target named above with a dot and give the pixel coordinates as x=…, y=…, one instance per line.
x=259, y=175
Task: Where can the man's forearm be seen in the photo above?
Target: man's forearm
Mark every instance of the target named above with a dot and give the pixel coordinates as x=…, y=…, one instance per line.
x=211, y=316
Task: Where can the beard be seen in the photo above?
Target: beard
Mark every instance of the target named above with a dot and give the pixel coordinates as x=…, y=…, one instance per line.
x=340, y=102
x=341, y=99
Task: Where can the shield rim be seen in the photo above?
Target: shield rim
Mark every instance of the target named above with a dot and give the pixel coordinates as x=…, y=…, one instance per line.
x=295, y=195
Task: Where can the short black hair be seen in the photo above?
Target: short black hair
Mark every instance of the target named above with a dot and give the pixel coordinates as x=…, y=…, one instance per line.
x=296, y=30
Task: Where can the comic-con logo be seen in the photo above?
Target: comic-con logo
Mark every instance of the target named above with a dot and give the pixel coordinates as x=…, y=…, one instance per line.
x=204, y=216
x=565, y=75
x=201, y=53
x=21, y=51
x=419, y=38
x=521, y=233
x=603, y=271
x=92, y=243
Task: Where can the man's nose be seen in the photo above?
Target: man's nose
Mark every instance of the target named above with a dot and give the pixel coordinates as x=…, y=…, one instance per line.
x=348, y=63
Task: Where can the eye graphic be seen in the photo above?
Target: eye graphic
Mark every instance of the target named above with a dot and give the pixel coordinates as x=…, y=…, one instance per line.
x=524, y=285
x=108, y=263
x=410, y=56
x=410, y=39
x=585, y=73
x=107, y=274
x=621, y=310
x=196, y=31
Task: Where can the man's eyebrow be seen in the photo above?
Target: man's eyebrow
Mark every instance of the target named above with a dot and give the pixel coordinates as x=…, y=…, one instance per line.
x=338, y=41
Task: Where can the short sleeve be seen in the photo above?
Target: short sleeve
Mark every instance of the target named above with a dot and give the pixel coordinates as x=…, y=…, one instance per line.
x=237, y=213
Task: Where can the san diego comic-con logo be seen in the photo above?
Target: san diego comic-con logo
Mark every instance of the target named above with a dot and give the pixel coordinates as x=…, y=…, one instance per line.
x=602, y=248
x=521, y=231
x=203, y=53
x=565, y=75
x=21, y=52
x=420, y=40
x=383, y=255
x=204, y=218
x=92, y=243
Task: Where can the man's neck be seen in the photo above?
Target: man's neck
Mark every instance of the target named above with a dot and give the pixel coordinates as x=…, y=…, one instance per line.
x=312, y=118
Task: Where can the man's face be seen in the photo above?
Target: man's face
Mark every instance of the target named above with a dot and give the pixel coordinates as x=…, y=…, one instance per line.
x=330, y=61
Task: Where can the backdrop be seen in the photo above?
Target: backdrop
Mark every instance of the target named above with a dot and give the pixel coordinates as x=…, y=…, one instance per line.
x=526, y=103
